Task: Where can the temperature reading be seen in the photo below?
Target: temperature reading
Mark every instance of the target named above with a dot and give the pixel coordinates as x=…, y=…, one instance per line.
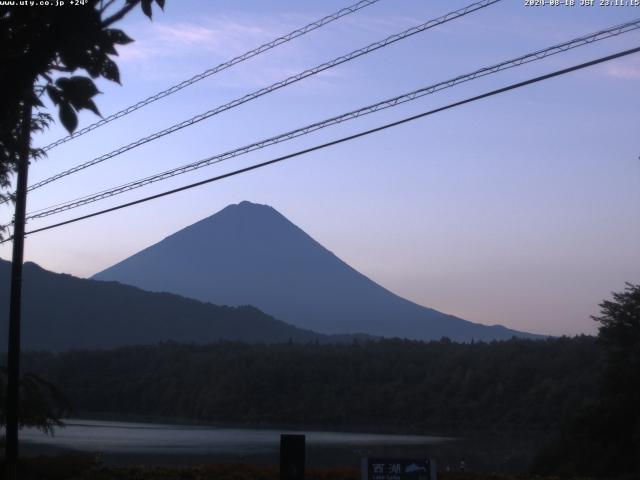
x=581, y=3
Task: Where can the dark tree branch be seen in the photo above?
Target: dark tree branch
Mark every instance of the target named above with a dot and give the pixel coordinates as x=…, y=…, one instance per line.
x=120, y=14
x=104, y=7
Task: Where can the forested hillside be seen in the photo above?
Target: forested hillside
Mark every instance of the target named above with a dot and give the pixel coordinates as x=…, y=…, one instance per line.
x=390, y=384
x=62, y=312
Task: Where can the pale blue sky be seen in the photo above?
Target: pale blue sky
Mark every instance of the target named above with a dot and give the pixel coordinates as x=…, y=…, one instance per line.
x=523, y=209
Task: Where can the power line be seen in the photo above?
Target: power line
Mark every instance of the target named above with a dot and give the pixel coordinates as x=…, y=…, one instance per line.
x=343, y=139
x=400, y=99
x=283, y=83
x=212, y=71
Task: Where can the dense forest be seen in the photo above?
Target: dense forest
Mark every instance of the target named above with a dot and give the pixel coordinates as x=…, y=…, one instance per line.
x=391, y=384
x=584, y=391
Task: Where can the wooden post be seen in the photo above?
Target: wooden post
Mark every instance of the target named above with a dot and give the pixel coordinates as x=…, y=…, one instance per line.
x=292, y=457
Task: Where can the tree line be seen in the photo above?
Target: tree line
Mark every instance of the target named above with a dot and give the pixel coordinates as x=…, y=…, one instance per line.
x=585, y=390
x=390, y=384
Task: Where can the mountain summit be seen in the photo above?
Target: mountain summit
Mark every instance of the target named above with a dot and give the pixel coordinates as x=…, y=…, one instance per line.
x=250, y=254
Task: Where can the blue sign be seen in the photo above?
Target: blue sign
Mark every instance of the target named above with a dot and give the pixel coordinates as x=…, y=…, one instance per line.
x=398, y=469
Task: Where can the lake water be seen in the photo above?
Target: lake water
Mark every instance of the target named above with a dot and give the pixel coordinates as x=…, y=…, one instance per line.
x=163, y=444
x=144, y=440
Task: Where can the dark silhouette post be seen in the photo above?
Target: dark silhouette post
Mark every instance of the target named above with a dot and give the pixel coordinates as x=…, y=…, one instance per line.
x=13, y=358
x=292, y=457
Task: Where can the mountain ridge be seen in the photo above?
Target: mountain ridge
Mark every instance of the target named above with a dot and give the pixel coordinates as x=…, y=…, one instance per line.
x=62, y=312
x=249, y=253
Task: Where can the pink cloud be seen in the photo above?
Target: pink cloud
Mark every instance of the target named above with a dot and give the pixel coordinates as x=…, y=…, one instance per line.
x=628, y=69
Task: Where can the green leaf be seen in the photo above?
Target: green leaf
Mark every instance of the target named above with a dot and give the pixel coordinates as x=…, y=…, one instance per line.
x=62, y=82
x=35, y=101
x=93, y=70
x=54, y=94
x=109, y=48
x=146, y=7
x=77, y=91
x=83, y=86
x=90, y=105
x=110, y=70
x=71, y=57
x=68, y=117
x=118, y=36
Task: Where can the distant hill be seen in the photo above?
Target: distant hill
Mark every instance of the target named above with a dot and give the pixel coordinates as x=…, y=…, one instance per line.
x=61, y=312
x=251, y=254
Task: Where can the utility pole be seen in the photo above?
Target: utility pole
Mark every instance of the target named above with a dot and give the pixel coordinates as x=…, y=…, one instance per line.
x=13, y=358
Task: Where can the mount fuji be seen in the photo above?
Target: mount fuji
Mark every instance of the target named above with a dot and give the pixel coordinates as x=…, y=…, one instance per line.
x=250, y=254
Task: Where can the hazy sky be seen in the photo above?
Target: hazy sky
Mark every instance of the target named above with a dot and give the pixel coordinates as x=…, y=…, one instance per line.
x=522, y=209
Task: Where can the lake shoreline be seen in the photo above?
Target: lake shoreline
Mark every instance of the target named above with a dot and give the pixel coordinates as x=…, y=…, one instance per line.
x=120, y=443
x=449, y=431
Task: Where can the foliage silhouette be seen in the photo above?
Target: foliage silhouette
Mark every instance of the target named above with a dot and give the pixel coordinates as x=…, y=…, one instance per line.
x=603, y=438
x=40, y=48
x=42, y=405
